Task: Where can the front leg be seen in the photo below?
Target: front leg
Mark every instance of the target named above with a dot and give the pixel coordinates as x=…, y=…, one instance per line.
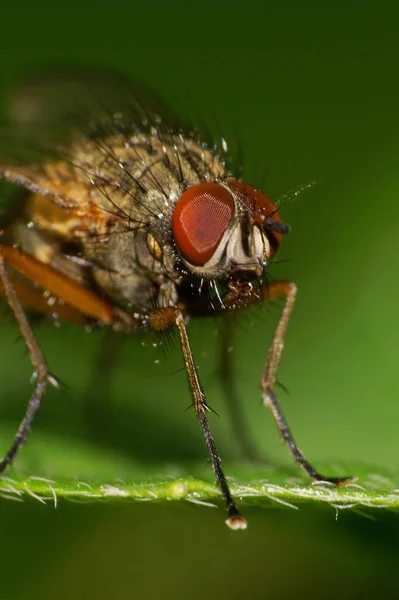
x=255, y=296
x=161, y=320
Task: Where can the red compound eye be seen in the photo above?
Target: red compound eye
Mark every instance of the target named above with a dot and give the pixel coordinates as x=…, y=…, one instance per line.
x=201, y=217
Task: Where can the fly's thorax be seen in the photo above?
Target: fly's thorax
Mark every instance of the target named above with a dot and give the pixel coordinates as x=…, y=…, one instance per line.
x=139, y=179
x=133, y=269
x=132, y=250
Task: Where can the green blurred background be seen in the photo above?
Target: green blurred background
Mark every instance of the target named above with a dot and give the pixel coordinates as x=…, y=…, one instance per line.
x=310, y=90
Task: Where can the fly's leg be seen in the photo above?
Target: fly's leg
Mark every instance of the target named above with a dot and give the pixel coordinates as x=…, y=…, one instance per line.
x=275, y=290
x=41, y=372
x=161, y=320
x=81, y=301
x=235, y=520
x=237, y=418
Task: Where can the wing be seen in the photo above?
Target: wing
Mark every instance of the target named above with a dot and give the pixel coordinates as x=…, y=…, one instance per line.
x=80, y=136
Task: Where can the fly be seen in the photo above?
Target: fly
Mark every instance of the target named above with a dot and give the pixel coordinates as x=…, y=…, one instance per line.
x=134, y=221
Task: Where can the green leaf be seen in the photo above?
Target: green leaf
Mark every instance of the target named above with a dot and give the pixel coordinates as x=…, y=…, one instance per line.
x=82, y=472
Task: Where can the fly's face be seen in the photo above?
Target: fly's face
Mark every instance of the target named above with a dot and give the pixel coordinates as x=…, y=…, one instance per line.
x=123, y=223
x=226, y=228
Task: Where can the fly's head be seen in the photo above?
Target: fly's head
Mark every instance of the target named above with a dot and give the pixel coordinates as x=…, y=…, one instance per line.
x=226, y=231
